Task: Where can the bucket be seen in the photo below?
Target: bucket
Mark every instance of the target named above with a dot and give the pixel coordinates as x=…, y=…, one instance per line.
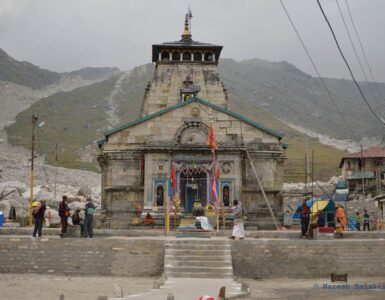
x=1, y=218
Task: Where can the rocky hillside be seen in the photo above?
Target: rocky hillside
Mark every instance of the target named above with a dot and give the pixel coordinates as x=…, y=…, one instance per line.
x=293, y=96
x=96, y=74
x=276, y=94
x=22, y=84
x=75, y=119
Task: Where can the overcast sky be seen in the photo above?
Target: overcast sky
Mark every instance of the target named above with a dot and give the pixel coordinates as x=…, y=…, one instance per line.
x=69, y=34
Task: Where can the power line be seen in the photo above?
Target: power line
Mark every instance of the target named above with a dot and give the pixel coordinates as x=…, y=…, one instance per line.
x=347, y=65
x=363, y=51
x=355, y=52
x=318, y=73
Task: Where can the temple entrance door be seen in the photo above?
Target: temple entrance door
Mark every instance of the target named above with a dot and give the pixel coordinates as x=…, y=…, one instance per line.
x=193, y=188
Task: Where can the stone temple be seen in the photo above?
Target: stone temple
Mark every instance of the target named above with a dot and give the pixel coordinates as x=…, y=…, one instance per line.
x=169, y=140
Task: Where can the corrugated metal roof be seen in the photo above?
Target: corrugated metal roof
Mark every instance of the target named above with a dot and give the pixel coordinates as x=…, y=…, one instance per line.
x=362, y=175
x=372, y=152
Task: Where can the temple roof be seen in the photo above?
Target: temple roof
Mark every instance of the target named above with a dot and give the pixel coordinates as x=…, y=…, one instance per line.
x=186, y=42
x=275, y=133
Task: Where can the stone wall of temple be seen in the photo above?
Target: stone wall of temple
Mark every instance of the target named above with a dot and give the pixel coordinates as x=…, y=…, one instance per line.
x=168, y=81
x=182, y=134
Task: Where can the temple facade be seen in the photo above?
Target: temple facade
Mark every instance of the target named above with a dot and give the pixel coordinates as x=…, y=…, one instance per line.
x=165, y=151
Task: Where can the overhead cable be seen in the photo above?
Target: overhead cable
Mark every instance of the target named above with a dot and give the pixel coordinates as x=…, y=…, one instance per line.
x=355, y=52
x=363, y=51
x=348, y=66
x=318, y=73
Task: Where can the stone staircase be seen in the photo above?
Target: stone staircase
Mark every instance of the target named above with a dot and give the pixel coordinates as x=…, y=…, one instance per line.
x=198, y=258
x=194, y=267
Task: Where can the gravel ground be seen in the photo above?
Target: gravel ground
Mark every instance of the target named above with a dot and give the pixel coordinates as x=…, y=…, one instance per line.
x=50, y=287
x=301, y=289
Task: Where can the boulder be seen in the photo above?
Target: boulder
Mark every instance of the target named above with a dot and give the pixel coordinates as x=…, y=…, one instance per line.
x=84, y=191
x=36, y=191
x=74, y=205
x=19, y=186
x=52, y=216
x=21, y=210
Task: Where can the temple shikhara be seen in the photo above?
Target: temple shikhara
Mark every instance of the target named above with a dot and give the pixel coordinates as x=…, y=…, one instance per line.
x=165, y=152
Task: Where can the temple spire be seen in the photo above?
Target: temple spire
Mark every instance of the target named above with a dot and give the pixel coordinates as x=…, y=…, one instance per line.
x=186, y=35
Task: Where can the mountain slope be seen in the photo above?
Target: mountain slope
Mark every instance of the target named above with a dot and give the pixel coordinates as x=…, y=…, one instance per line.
x=25, y=73
x=96, y=74
x=77, y=118
x=291, y=95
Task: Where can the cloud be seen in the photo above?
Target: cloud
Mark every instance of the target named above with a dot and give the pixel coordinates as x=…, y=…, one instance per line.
x=70, y=34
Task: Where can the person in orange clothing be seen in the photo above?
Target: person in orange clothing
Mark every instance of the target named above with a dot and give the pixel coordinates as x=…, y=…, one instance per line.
x=340, y=220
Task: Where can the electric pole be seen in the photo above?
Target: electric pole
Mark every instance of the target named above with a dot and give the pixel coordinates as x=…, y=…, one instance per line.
x=34, y=121
x=362, y=174
x=55, y=170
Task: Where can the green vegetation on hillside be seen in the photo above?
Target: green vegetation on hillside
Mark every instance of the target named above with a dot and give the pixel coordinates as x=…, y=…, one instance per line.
x=25, y=73
x=326, y=158
x=72, y=120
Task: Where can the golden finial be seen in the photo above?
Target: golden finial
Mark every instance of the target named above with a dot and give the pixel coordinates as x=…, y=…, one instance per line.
x=186, y=35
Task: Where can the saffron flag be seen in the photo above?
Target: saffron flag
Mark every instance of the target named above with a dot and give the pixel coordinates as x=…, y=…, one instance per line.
x=214, y=188
x=211, y=139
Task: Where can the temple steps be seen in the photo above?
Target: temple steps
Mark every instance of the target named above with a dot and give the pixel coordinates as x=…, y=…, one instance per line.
x=198, y=259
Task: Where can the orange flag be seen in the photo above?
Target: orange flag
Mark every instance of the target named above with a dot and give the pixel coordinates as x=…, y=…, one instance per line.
x=211, y=139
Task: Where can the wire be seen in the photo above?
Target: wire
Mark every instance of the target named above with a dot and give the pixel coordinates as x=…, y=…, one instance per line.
x=347, y=64
x=318, y=73
x=363, y=51
x=355, y=52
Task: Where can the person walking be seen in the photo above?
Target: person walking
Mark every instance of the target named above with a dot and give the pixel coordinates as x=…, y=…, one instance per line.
x=366, y=220
x=64, y=212
x=238, y=229
x=304, y=212
x=358, y=221
x=340, y=220
x=89, y=215
x=38, y=215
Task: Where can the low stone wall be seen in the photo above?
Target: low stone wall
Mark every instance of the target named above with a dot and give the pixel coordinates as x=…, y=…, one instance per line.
x=109, y=256
x=276, y=258
x=252, y=258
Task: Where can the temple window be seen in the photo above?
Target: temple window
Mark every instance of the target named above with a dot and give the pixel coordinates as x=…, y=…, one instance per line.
x=176, y=56
x=209, y=56
x=186, y=56
x=159, y=195
x=197, y=56
x=165, y=55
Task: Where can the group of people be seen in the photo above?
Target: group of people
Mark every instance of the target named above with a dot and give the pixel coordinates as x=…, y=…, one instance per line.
x=310, y=221
x=365, y=218
x=81, y=217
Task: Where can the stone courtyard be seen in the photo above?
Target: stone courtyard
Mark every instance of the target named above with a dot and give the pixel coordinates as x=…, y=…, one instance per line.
x=50, y=287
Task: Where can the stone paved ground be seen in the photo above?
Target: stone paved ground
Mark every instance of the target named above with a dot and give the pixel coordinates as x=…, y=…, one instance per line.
x=49, y=287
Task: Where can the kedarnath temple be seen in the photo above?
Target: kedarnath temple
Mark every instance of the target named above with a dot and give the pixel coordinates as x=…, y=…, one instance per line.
x=169, y=141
